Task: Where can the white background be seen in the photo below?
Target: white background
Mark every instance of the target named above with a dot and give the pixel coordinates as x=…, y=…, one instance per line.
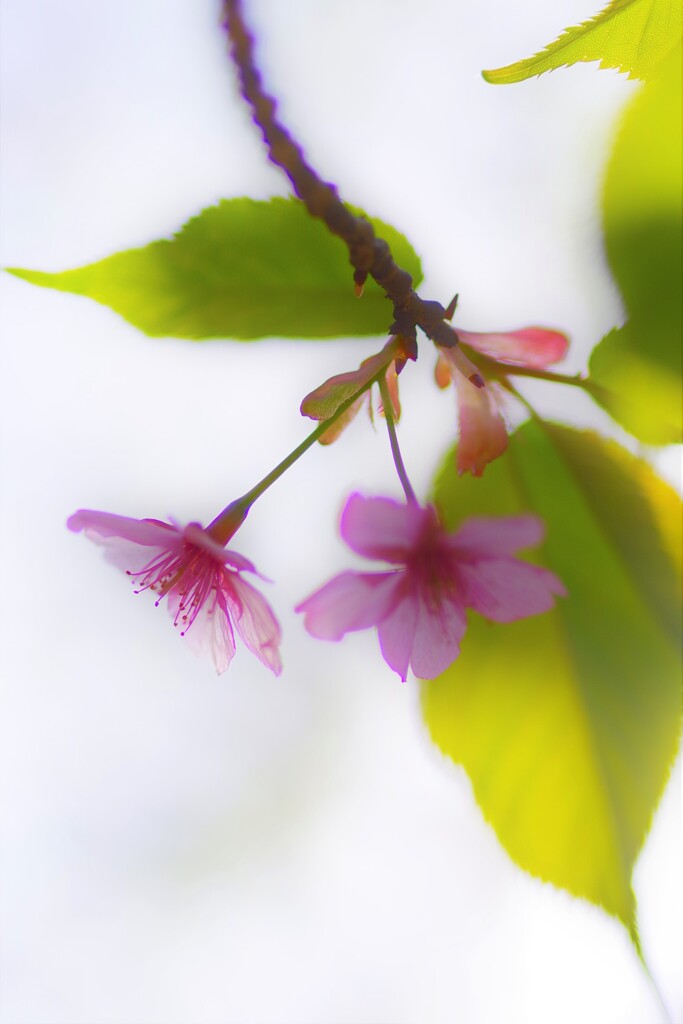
x=184, y=849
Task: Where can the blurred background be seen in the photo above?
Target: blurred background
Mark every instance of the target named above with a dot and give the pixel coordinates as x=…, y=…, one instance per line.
x=180, y=848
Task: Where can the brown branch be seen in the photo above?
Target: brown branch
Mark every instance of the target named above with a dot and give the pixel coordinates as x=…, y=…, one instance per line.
x=368, y=254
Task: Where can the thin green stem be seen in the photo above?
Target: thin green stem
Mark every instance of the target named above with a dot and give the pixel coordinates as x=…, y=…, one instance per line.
x=598, y=392
x=248, y=499
x=493, y=369
x=638, y=946
x=393, y=440
x=499, y=371
x=520, y=398
x=657, y=991
x=576, y=381
x=227, y=521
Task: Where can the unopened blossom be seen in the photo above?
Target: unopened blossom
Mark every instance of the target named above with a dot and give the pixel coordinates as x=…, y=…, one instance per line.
x=419, y=604
x=482, y=428
x=325, y=400
x=201, y=579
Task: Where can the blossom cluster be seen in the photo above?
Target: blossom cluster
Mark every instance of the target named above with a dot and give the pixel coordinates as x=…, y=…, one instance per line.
x=419, y=601
x=418, y=604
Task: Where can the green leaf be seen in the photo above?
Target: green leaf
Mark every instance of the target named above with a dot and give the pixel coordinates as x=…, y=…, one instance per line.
x=631, y=35
x=567, y=723
x=636, y=370
x=244, y=270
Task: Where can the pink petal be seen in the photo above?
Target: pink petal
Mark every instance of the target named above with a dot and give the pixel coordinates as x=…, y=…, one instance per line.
x=383, y=528
x=210, y=633
x=349, y=602
x=221, y=639
x=100, y=525
x=483, y=435
x=537, y=347
x=240, y=563
x=129, y=544
x=436, y=642
x=489, y=536
x=130, y=558
x=254, y=621
x=506, y=589
x=397, y=633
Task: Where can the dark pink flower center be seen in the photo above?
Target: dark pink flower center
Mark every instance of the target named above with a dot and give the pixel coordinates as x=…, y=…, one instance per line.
x=430, y=568
x=195, y=575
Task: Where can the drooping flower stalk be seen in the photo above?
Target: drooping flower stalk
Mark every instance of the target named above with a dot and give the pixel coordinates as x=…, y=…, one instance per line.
x=393, y=440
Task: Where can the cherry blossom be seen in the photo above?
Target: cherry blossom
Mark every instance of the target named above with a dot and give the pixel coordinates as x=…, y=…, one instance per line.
x=419, y=605
x=201, y=578
x=483, y=433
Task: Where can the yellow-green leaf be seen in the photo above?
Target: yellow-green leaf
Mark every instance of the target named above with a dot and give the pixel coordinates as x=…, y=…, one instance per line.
x=567, y=723
x=244, y=270
x=631, y=35
x=636, y=369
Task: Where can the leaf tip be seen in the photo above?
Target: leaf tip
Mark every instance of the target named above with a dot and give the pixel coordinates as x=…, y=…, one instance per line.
x=492, y=77
x=511, y=73
x=37, y=277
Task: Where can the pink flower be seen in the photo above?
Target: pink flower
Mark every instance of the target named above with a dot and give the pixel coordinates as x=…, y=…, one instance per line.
x=202, y=580
x=483, y=433
x=419, y=607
